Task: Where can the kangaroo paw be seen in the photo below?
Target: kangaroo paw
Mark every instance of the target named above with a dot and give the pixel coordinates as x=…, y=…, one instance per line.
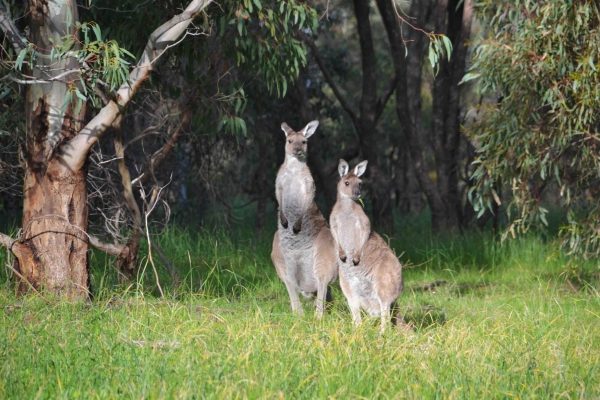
x=342, y=255
x=297, y=226
x=284, y=221
x=356, y=260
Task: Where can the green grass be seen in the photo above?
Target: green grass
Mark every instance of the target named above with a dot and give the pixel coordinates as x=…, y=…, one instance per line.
x=510, y=320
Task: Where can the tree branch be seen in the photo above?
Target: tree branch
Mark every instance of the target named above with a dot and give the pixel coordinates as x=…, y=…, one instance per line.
x=387, y=93
x=328, y=78
x=10, y=30
x=23, y=253
x=347, y=154
x=158, y=157
x=11, y=244
x=75, y=152
x=368, y=96
x=109, y=248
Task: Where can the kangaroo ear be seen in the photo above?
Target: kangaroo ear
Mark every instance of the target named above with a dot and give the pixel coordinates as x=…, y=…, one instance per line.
x=360, y=168
x=343, y=168
x=286, y=128
x=310, y=129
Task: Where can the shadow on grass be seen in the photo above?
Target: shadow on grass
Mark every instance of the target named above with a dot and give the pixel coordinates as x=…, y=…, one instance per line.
x=420, y=318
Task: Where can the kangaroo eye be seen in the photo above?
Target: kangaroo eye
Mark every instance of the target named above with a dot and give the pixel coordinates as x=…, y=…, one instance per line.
x=347, y=183
x=304, y=142
x=290, y=141
x=359, y=185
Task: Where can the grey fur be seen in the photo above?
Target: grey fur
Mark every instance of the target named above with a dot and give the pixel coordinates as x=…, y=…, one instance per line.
x=370, y=273
x=303, y=254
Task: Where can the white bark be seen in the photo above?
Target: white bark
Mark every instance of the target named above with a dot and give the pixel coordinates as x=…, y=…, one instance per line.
x=77, y=149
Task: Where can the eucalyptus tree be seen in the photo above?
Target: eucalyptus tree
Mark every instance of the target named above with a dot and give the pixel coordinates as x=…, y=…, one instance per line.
x=407, y=37
x=67, y=65
x=540, y=63
x=374, y=91
x=453, y=19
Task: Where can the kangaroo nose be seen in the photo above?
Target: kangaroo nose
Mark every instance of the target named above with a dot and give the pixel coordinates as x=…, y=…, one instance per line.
x=357, y=193
x=297, y=150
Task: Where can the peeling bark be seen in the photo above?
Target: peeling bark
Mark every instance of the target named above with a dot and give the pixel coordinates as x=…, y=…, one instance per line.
x=55, y=209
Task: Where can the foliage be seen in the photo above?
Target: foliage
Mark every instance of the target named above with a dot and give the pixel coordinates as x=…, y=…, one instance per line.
x=505, y=324
x=276, y=53
x=439, y=46
x=541, y=61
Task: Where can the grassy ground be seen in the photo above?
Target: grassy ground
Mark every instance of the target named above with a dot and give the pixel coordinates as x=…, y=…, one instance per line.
x=510, y=320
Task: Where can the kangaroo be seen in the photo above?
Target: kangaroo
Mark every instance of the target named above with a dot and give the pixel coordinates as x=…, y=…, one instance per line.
x=370, y=273
x=303, y=255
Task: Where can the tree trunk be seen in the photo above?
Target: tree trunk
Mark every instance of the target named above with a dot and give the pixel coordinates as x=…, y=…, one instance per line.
x=379, y=179
x=55, y=209
x=52, y=251
x=409, y=129
x=54, y=224
x=442, y=196
x=365, y=120
x=456, y=24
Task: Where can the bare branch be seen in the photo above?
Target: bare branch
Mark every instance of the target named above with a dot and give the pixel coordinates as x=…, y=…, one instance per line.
x=23, y=253
x=125, y=176
x=76, y=150
x=347, y=154
x=10, y=30
x=9, y=243
x=158, y=157
x=387, y=93
x=109, y=248
x=32, y=81
x=114, y=9
x=345, y=105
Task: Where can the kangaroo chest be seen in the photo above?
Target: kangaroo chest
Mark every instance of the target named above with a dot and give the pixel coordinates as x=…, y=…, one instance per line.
x=297, y=188
x=351, y=231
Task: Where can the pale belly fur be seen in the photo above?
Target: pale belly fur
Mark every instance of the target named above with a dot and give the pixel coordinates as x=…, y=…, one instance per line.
x=362, y=285
x=294, y=198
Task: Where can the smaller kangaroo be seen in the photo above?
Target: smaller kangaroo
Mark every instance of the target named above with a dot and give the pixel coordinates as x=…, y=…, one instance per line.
x=303, y=254
x=370, y=273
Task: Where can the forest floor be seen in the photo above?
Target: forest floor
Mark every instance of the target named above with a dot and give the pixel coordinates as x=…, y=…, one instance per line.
x=491, y=320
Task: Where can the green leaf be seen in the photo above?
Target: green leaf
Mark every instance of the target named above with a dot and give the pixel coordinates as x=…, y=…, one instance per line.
x=469, y=76
x=432, y=56
x=242, y=124
x=78, y=105
x=69, y=21
x=79, y=94
x=97, y=32
x=68, y=98
x=448, y=44
x=20, y=58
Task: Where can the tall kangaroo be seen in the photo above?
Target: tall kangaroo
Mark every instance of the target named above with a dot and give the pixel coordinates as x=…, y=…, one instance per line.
x=370, y=273
x=303, y=248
